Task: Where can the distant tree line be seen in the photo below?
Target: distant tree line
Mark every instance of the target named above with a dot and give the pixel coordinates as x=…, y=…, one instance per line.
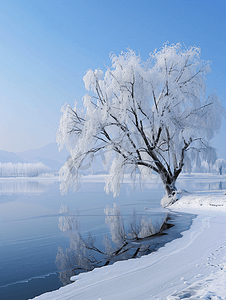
x=22, y=169
x=219, y=167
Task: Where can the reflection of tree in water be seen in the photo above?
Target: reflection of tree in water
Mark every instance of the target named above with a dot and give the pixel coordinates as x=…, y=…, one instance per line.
x=125, y=243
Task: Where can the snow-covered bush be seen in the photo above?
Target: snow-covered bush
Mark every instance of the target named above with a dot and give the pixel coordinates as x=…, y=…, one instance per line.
x=220, y=166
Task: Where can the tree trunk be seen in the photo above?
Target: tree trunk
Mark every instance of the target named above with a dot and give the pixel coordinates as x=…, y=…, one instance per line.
x=169, y=184
x=171, y=191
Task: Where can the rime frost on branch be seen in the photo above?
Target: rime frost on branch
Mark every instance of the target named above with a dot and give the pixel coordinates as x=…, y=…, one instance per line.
x=143, y=117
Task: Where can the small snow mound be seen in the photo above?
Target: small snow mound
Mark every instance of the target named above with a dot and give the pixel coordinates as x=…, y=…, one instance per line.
x=165, y=201
x=168, y=201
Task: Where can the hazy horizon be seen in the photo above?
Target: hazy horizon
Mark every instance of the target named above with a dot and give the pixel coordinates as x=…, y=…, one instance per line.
x=47, y=46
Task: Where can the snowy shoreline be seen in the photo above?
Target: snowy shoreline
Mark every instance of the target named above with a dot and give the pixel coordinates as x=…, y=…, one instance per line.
x=187, y=268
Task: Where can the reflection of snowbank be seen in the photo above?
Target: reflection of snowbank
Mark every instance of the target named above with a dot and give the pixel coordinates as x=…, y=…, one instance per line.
x=25, y=185
x=22, y=169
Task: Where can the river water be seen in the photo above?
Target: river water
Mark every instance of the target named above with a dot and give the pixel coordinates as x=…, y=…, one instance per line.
x=30, y=235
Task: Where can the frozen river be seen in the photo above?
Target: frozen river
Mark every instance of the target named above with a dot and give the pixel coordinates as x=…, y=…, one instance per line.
x=29, y=231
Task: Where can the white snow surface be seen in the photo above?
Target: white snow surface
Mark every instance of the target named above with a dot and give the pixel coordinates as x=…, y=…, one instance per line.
x=190, y=267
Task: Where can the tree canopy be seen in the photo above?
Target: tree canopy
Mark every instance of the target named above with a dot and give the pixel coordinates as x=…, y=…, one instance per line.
x=144, y=117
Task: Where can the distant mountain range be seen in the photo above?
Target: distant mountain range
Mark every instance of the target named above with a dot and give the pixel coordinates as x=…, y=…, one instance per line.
x=49, y=155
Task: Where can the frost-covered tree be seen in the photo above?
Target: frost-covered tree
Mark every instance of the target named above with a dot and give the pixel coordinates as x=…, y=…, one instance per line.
x=144, y=117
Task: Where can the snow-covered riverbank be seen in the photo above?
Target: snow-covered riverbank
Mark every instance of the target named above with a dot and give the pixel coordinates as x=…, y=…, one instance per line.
x=191, y=267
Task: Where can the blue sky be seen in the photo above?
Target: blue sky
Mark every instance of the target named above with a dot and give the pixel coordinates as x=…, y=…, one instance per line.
x=47, y=46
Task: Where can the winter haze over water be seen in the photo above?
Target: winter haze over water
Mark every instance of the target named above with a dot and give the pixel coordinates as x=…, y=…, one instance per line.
x=47, y=46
